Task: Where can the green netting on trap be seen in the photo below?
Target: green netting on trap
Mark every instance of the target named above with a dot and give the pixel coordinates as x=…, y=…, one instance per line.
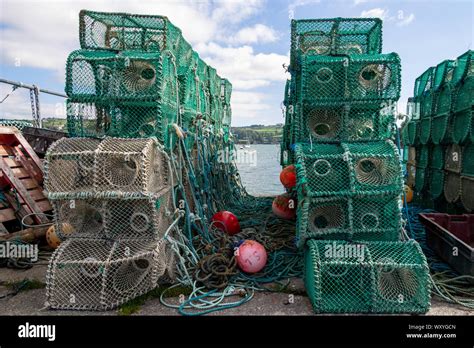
x=122, y=31
x=336, y=36
x=353, y=78
x=436, y=182
x=344, y=122
x=122, y=119
x=464, y=67
x=370, y=277
x=468, y=160
x=443, y=73
x=348, y=168
x=227, y=115
x=463, y=127
x=189, y=86
x=467, y=193
x=437, y=154
x=15, y=123
x=424, y=82
x=442, y=129
x=413, y=130
x=364, y=217
x=452, y=186
x=453, y=158
x=464, y=95
x=421, y=178
x=425, y=130
x=103, y=75
x=226, y=91
x=423, y=156
x=443, y=101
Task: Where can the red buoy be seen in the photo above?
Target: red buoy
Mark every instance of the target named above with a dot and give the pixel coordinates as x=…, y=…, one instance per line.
x=226, y=222
x=251, y=256
x=288, y=177
x=284, y=206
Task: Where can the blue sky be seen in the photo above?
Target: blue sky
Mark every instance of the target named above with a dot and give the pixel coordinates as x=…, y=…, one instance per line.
x=247, y=41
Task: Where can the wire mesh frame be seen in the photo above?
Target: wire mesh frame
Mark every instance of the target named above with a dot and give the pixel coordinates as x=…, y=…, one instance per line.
x=351, y=78
x=122, y=119
x=369, y=277
x=97, y=274
x=335, y=36
x=345, y=122
x=348, y=169
x=115, y=165
x=362, y=217
x=121, y=217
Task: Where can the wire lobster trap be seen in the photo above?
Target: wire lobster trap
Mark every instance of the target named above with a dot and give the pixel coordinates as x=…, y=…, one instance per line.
x=123, y=31
x=436, y=182
x=373, y=78
x=335, y=36
x=425, y=93
x=348, y=168
x=123, y=119
x=123, y=217
x=226, y=91
x=362, y=217
x=421, y=178
x=463, y=67
x=464, y=95
x=467, y=168
x=128, y=75
x=452, y=186
x=413, y=131
x=425, y=130
x=369, y=277
x=463, y=127
x=78, y=165
x=69, y=165
x=437, y=160
x=345, y=122
x=453, y=158
x=96, y=274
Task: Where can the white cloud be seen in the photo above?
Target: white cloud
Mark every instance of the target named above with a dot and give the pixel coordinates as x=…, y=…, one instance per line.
x=249, y=105
x=375, y=12
x=358, y=2
x=405, y=20
x=300, y=3
x=231, y=12
x=257, y=33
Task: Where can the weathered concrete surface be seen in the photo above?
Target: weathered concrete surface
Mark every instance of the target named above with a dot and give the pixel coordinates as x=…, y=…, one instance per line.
x=31, y=302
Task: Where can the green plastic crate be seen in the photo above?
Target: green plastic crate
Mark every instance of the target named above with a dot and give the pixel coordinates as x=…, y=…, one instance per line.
x=362, y=217
x=352, y=78
x=335, y=36
x=369, y=277
x=348, y=169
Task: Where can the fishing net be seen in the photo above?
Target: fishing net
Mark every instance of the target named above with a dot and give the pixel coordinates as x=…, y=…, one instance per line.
x=453, y=158
x=124, y=218
x=452, y=186
x=359, y=218
x=122, y=31
x=122, y=119
x=345, y=122
x=353, y=78
x=369, y=277
x=349, y=168
x=337, y=36
x=76, y=165
x=95, y=274
x=467, y=193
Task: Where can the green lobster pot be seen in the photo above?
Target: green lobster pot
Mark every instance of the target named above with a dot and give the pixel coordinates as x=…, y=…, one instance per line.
x=463, y=127
x=437, y=157
x=425, y=130
x=413, y=129
x=453, y=158
x=452, y=187
x=467, y=193
x=420, y=179
x=468, y=161
x=423, y=156
x=436, y=185
x=373, y=277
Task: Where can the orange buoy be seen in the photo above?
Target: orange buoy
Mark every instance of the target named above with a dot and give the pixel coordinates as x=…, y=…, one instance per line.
x=288, y=177
x=52, y=237
x=408, y=194
x=284, y=206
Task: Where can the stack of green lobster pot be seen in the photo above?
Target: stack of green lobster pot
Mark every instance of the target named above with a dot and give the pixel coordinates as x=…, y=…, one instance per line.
x=439, y=136
x=340, y=106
